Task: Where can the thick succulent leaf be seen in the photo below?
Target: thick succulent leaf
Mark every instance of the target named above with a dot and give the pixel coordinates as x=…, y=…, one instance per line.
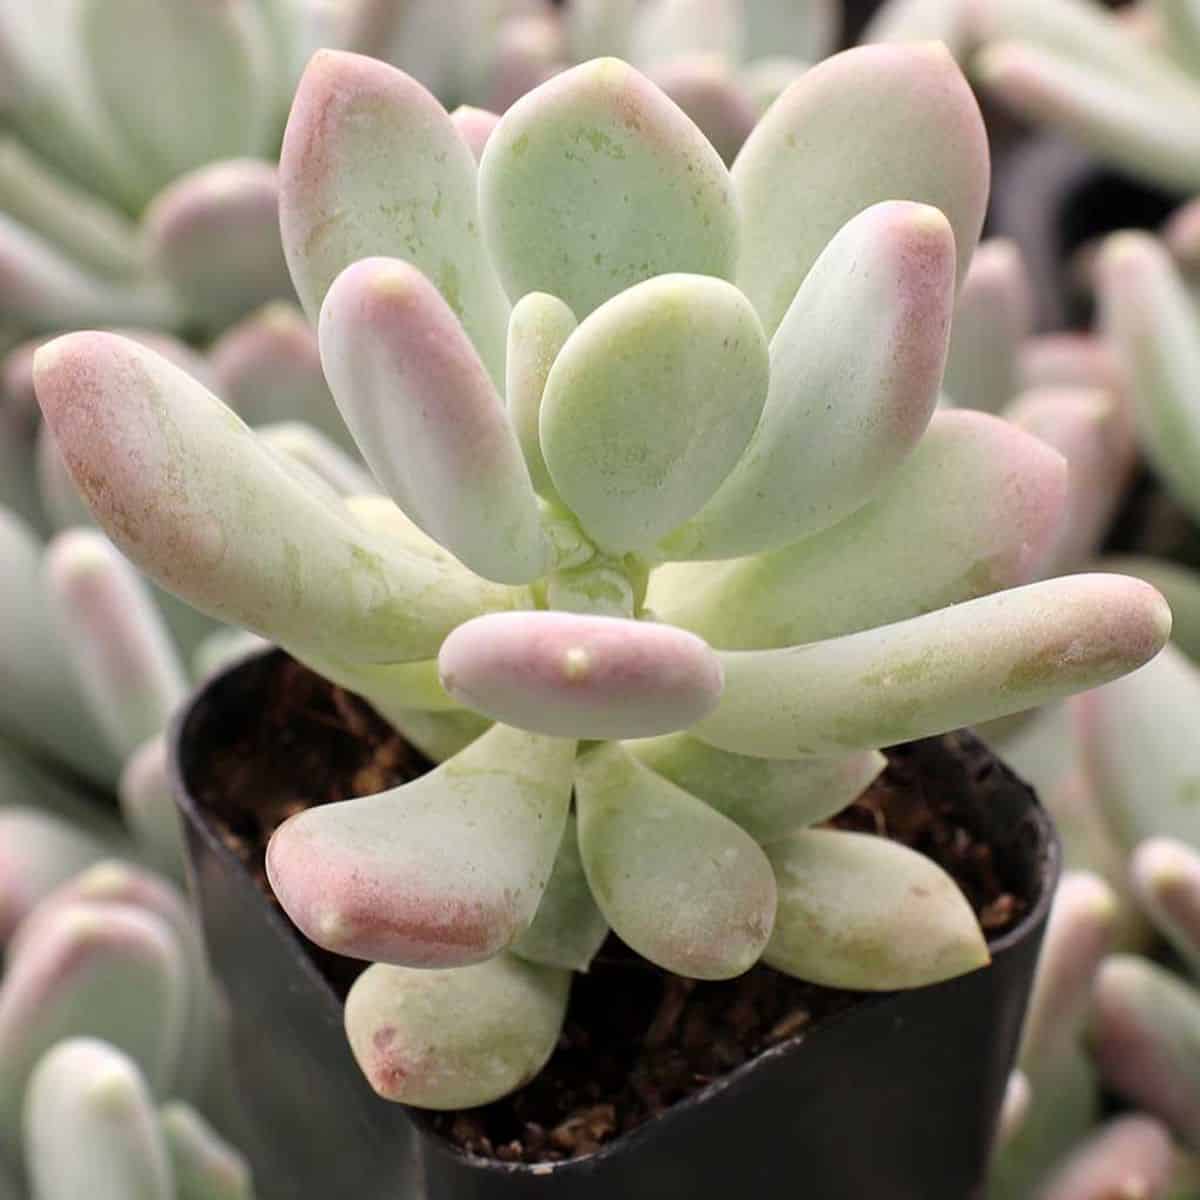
x=707, y=89
x=1140, y=752
x=151, y=60
x=91, y=1129
x=537, y=330
x=855, y=371
x=1079, y=935
x=1068, y=360
x=1152, y=321
x=441, y=872
x=1179, y=585
x=206, y=1167
x=213, y=235
x=307, y=446
x=38, y=851
x=768, y=798
x=127, y=667
x=595, y=182
x=993, y=317
x=578, y=676
x=1143, y=129
x=1145, y=1036
x=109, y=971
x=527, y=51
x=455, y=1039
x=268, y=368
x=372, y=165
x=148, y=807
x=961, y=665
x=474, y=126
x=63, y=506
x=40, y=704
x=200, y=504
x=113, y=882
x=974, y=509
x=1166, y=875
x=429, y=420
x=910, y=926
x=1133, y=1153
x=98, y=237
x=679, y=883
x=1093, y=431
x=649, y=405
x=875, y=123
x=568, y=929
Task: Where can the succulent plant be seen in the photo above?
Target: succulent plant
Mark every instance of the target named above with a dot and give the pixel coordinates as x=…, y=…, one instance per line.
x=673, y=563
x=111, y=958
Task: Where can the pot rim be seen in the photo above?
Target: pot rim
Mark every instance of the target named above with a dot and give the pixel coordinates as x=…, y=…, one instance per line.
x=1047, y=870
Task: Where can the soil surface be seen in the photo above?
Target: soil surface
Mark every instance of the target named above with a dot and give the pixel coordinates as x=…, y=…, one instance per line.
x=636, y=1039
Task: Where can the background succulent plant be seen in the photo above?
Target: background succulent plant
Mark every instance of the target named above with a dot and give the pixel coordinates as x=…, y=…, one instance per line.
x=690, y=371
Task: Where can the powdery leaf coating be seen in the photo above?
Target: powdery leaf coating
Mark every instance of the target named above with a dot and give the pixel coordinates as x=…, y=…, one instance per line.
x=1166, y=877
x=1151, y=320
x=994, y=316
x=1130, y=1157
x=706, y=88
x=870, y=124
x=596, y=182
x=202, y=506
x=579, y=676
x=649, y=405
x=109, y=971
x=768, y=798
x=679, y=883
x=1139, y=750
x=455, y=1039
x=910, y=926
x=1093, y=431
x=971, y=662
x=372, y=165
x=126, y=662
x=91, y=1128
x=537, y=330
x=441, y=872
x=855, y=369
x=214, y=236
x=1145, y=1036
x=975, y=508
x=206, y=1167
x=431, y=424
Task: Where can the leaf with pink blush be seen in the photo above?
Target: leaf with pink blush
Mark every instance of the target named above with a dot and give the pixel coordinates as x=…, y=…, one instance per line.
x=441, y=872
x=580, y=676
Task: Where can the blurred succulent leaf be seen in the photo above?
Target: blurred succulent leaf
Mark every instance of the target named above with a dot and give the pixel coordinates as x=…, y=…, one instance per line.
x=206, y=1167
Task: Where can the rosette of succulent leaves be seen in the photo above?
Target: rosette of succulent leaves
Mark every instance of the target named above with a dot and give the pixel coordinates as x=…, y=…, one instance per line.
x=111, y=1032
x=1123, y=84
x=667, y=501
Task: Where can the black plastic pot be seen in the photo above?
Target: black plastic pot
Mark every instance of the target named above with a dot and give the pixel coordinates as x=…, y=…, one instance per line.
x=896, y=1097
x=1052, y=198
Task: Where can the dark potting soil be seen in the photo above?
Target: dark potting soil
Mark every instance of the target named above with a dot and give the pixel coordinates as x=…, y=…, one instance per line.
x=636, y=1039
